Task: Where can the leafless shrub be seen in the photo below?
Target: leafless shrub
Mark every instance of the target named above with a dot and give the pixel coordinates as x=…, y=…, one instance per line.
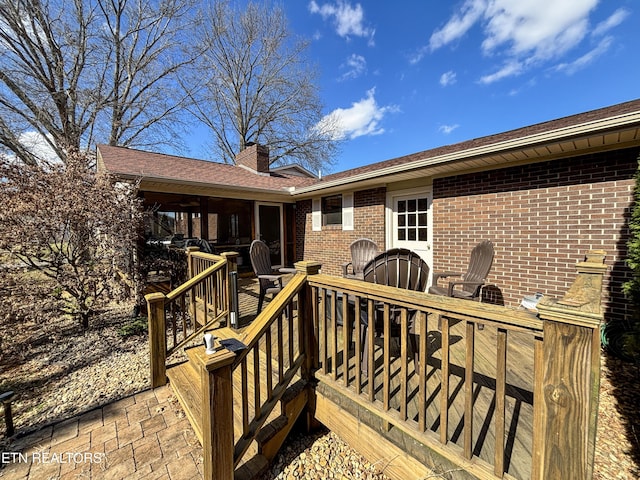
x=75, y=227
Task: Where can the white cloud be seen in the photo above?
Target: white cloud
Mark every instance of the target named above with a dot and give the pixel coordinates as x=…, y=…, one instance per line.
x=448, y=78
x=447, y=129
x=509, y=69
x=348, y=20
x=587, y=58
x=362, y=118
x=525, y=33
x=613, y=21
x=356, y=65
x=459, y=24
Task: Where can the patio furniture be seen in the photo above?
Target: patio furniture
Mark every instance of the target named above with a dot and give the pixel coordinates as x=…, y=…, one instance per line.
x=400, y=268
x=471, y=281
x=270, y=280
x=362, y=251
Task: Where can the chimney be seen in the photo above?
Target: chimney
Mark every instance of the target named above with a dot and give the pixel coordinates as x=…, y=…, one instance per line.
x=255, y=157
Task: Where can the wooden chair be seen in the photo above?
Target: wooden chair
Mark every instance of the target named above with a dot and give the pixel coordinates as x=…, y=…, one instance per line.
x=400, y=268
x=270, y=281
x=362, y=251
x=471, y=281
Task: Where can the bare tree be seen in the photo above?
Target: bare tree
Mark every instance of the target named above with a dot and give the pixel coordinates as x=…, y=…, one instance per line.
x=259, y=87
x=78, y=72
x=72, y=225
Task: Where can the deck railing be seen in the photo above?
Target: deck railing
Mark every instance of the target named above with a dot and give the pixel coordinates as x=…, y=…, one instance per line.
x=274, y=355
x=497, y=392
x=178, y=317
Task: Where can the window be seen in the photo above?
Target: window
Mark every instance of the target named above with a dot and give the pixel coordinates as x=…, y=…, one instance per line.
x=332, y=210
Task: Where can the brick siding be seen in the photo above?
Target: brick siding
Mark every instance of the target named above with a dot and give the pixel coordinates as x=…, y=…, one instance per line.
x=542, y=219
x=331, y=245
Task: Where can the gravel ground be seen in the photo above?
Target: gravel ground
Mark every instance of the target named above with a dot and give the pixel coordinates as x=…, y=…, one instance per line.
x=58, y=371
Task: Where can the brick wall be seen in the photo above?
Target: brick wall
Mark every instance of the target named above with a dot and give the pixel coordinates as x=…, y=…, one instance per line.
x=542, y=219
x=331, y=245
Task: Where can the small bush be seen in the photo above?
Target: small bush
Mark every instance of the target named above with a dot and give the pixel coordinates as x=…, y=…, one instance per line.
x=137, y=326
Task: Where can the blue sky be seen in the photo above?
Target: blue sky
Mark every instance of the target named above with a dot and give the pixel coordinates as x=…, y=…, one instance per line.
x=408, y=76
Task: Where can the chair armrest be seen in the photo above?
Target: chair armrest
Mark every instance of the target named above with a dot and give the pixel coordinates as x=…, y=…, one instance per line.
x=345, y=269
x=287, y=270
x=439, y=275
x=273, y=277
x=461, y=282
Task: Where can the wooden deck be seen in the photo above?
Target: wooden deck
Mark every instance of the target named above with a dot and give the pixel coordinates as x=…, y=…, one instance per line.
x=519, y=392
x=519, y=386
x=446, y=384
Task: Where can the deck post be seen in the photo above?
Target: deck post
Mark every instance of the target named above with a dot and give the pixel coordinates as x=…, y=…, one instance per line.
x=308, y=335
x=190, y=269
x=567, y=377
x=217, y=414
x=157, y=338
x=232, y=269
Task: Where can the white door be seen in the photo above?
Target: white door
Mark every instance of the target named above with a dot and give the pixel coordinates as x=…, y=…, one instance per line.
x=269, y=229
x=409, y=220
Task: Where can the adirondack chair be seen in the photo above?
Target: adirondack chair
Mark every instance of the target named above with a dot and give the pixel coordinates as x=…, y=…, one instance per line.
x=472, y=280
x=270, y=280
x=400, y=268
x=362, y=251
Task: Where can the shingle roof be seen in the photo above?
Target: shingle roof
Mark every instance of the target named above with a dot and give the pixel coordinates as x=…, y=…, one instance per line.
x=137, y=163
x=158, y=166
x=549, y=126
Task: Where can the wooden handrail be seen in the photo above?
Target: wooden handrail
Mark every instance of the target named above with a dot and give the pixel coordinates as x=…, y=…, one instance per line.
x=207, y=290
x=280, y=368
x=563, y=391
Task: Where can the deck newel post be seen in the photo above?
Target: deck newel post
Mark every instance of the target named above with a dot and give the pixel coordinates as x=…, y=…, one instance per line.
x=217, y=415
x=157, y=338
x=567, y=379
x=308, y=339
x=232, y=287
x=190, y=268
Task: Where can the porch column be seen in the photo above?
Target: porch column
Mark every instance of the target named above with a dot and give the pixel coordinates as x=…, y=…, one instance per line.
x=204, y=218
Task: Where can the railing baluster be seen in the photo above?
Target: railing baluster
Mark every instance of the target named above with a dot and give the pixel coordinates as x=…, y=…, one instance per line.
x=371, y=331
x=334, y=335
x=468, y=390
x=444, y=392
x=256, y=382
x=386, y=363
x=359, y=354
x=422, y=374
x=404, y=371
x=323, y=326
x=291, y=337
x=346, y=337
x=269, y=363
x=280, y=349
x=245, y=396
x=501, y=380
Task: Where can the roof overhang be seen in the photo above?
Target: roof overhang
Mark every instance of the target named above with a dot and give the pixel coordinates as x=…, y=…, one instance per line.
x=611, y=133
x=168, y=185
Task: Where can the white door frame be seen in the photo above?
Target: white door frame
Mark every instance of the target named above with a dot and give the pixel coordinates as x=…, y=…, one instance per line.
x=424, y=249
x=281, y=215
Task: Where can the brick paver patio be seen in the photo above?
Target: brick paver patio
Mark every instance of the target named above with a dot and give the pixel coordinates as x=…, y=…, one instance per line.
x=144, y=436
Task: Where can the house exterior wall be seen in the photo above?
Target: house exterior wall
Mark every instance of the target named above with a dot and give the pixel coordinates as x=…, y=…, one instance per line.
x=542, y=219
x=330, y=246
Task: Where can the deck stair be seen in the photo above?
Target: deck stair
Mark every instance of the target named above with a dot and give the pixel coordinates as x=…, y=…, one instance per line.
x=185, y=381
